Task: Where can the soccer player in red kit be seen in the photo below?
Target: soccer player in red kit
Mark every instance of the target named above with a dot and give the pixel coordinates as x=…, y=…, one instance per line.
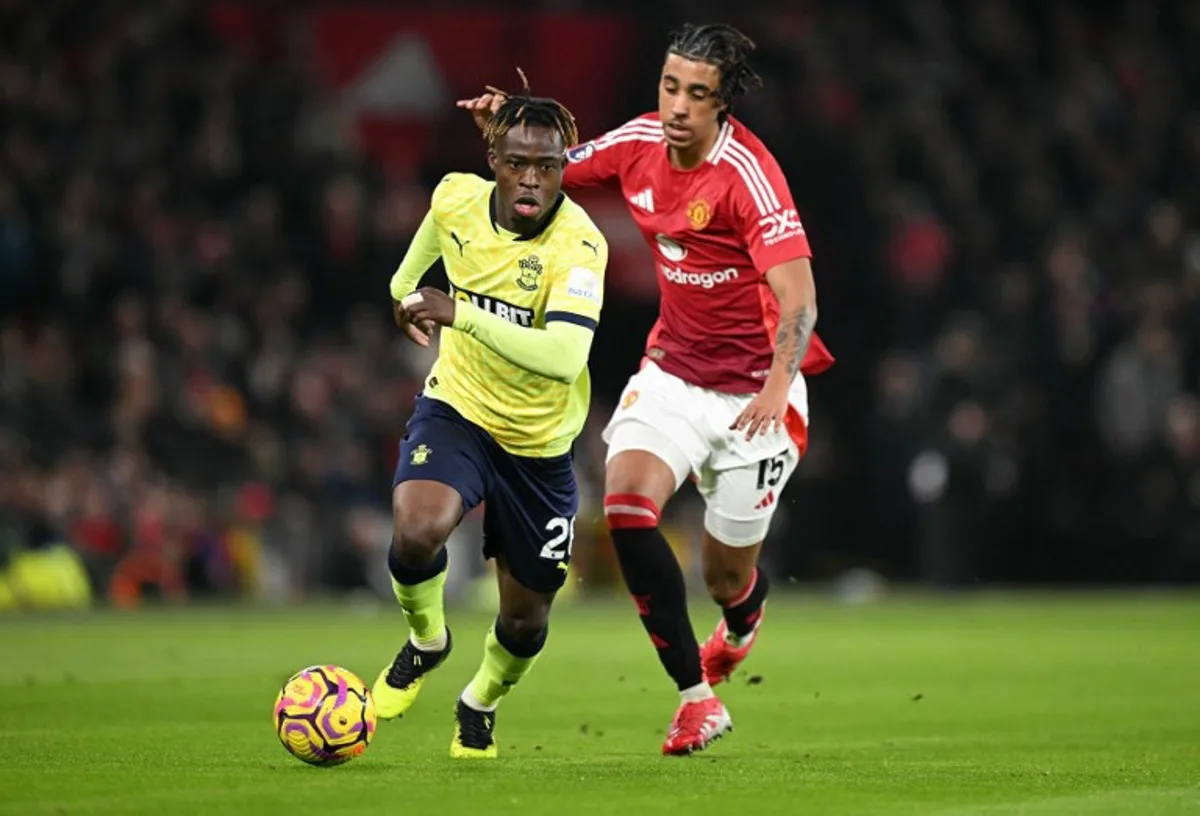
x=721, y=395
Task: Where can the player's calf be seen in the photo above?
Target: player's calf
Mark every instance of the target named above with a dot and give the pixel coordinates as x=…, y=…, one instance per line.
x=424, y=514
x=510, y=649
x=420, y=594
x=656, y=583
x=736, y=632
x=740, y=588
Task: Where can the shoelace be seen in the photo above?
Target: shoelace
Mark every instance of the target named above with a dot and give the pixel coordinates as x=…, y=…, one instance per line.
x=473, y=728
x=402, y=673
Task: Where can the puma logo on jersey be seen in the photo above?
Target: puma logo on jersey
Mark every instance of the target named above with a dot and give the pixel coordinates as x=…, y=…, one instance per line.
x=643, y=200
x=461, y=243
x=593, y=247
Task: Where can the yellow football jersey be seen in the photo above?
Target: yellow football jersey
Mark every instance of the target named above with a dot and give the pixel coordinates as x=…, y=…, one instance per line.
x=557, y=274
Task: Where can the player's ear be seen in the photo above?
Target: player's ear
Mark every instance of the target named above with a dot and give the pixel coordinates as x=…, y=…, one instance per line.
x=492, y=159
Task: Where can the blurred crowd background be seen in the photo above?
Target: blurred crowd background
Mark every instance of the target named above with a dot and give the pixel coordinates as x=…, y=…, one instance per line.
x=201, y=204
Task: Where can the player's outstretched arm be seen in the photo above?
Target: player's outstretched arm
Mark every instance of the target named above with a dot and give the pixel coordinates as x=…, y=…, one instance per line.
x=794, y=287
x=558, y=352
x=482, y=107
x=421, y=254
x=598, y=162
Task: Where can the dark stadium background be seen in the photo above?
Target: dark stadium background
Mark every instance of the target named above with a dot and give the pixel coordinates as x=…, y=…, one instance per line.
x=201, y=204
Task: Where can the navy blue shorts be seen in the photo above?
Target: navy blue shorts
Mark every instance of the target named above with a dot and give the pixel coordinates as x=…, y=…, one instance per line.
x=530, y=503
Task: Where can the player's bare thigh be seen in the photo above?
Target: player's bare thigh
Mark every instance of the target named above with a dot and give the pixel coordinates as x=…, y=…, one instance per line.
x=424, y=514
x=741, y=502
x=640, y=473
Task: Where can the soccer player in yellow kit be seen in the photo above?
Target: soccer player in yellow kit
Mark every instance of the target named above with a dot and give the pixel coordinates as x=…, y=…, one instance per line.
x=500, y=409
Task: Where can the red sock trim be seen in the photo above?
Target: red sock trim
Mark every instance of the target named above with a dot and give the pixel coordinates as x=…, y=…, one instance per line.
x=628, y=511
x=745, y=593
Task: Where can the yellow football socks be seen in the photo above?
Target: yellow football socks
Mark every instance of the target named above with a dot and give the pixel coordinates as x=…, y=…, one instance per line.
x=424, y=609
x=499, y=672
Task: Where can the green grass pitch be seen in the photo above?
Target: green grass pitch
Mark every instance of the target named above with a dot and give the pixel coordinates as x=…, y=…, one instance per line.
x=974, y=704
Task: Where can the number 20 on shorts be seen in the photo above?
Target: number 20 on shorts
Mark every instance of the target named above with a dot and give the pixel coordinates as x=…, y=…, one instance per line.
x=563, y=531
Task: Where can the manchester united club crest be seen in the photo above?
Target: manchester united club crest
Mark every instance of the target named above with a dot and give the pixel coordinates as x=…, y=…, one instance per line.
x=630, y=398
x=699, y=213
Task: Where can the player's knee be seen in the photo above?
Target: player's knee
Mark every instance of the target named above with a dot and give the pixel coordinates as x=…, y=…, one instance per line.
x=639, y=473
x=729, y=567
x=526, y=627
x=422, y=520
x=726, y=582
x=417, y=539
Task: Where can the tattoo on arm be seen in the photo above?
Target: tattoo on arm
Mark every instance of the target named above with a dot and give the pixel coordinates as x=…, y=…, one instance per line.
x=793, y=336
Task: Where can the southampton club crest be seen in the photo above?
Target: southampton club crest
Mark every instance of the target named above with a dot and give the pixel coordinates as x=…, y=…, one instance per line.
x=420, y=454
x=530, y=270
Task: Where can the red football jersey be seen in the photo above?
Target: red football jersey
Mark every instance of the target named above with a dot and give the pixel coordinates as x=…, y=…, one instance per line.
x=714, y=231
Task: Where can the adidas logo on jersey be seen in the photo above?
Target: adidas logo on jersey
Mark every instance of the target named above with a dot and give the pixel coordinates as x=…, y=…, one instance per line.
x=767, y=501
x=643, y=200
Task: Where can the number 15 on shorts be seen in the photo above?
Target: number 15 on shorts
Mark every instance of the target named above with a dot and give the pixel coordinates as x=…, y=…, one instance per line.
x=562, y=532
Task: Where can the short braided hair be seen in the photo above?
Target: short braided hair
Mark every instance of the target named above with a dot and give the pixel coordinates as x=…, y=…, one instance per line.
x=722, y=46
x=526, y=109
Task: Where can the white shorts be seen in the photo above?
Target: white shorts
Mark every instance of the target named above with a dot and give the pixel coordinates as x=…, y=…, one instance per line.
x=687, y=427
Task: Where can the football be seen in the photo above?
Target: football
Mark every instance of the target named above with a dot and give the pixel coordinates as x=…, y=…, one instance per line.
x=324, y=715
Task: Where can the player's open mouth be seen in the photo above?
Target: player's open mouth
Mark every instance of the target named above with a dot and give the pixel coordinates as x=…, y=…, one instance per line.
x=527, y=207
x=676, y=131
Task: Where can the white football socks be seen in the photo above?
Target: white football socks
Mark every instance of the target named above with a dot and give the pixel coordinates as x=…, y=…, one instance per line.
x=473, y=702
x=696, y=693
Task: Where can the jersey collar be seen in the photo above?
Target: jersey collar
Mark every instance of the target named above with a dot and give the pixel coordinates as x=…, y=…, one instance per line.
x=545, y=222
x=718, y=148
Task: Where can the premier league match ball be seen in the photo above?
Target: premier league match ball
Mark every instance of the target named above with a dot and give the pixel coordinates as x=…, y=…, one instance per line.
x=324, y=715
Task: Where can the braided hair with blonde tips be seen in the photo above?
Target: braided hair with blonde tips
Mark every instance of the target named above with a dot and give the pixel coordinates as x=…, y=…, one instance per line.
x=526, y=109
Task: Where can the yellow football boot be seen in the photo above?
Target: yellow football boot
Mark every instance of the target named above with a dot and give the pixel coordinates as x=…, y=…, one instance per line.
x=398, y=685
x=473, y=737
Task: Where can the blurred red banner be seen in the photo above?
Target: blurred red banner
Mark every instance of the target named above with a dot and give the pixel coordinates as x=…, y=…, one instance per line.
x=398, y=72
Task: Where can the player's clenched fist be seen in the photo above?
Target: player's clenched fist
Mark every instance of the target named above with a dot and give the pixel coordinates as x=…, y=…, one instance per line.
x=429, y=306
x=416, y=331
